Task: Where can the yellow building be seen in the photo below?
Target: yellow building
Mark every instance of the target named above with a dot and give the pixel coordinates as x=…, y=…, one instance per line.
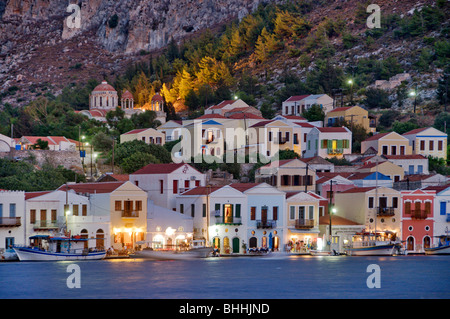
x=428, y=141
x=390, y=143
x=395, y=172
x=371, y=206
x=355, y=115
x=148, y=135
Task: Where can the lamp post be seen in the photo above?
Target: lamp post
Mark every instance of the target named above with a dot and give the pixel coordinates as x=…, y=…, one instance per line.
x=350, y=81
x=413, y=93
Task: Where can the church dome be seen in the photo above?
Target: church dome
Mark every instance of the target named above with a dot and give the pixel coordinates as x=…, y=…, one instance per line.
x=157, y=97
x=104, y=86
x=127, y=95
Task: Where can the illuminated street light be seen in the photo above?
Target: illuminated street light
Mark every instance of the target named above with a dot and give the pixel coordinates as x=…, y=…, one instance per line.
x=350, y=81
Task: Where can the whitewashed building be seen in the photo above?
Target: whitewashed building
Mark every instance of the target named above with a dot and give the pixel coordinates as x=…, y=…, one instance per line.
x=12, y=218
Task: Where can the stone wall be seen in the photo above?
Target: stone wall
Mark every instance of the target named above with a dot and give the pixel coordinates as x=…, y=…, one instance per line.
x=68, y=159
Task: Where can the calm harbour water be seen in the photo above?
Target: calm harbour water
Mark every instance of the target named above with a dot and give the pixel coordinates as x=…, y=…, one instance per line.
x=299, y=277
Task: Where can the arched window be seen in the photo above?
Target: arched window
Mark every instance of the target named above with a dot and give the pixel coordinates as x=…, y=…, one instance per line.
x=252, y=243
x=100, y=239
x=410, y=243
x=426, y=242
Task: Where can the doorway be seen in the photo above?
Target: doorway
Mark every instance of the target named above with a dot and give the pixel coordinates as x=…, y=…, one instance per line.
x=236, y=247
x=410, y=243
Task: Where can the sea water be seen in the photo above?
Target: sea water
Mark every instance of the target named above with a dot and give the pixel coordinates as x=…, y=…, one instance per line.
x=295, y=277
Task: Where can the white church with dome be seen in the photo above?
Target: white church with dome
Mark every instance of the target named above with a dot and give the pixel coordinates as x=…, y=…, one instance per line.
x=104, y=98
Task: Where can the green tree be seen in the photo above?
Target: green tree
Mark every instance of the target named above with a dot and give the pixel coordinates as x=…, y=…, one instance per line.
x=136, y=161
x=377, y=98
x=314, y=113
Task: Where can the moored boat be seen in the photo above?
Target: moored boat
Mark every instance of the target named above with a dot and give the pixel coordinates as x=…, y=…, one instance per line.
x=48, y=248
x=443, y=247
x=193, y=253
x=369, y=244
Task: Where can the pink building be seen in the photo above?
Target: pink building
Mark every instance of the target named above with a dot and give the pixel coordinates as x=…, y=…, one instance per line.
x=417, y=219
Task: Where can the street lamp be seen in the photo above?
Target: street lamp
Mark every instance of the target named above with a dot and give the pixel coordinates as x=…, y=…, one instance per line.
x=413, y=93
x=350, y=81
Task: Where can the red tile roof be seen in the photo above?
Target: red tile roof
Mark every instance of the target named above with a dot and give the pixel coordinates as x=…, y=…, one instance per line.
x=415, y=131
x=159, y=168
x=104, y=86
x=413, y=156
x=136, y=131
x=29, y=195
x=340, y=109
x=92, y=188
x=294, y=117
x=304, y=124
x=262, y=123
x=202, y=190
x=221, y=104
x=157, y=97
x=242, y=187
x=376, y=136
x=297, y=98
x=357, y=190
x=238, y=116
x=211, y=116
x=332, y=129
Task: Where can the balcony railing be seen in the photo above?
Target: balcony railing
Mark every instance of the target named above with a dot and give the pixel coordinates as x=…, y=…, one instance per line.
x=335, y=151
x=419, y=214
x=266, y=224
x=130, y=214
x=228, y=221
x=45, y=224
x=304, y=223
x=281, y=140
x=9, y=221
x=386, y=211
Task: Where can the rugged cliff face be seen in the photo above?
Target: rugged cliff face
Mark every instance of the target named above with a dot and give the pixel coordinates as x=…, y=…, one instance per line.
x=37, y=44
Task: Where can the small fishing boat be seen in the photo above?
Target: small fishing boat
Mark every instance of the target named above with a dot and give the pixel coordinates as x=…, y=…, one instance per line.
x=48, y=248
x=443, y=247
x=369, y=244
x=9, y=255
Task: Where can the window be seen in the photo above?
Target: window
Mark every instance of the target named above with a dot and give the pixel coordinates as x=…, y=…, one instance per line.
x=161, y=186
x=384, y=150
x=138, y=205
x=324, y=143
x=292, y=212
x=75, y=210
x=395, y=202
x=238, y=210
x=431, y=145
x=270, y=136
x=204, y=210
x=443, y=208
x=84, y=210
x=53, y=212
x=32, y=215
x=175, y=186
x=370, y=202
x=186, y=184
x=192, y=210
x=301, y=212
x=295, y=138
x=419, y=169
x=182, y=208
x=275, y=213
x=393, y=150
x=12, y=210
x=287, y=136
x=118, y=205
x=311, y=212
x=253, y=213
x=136, y=183
x=402, y=150
x=197, y=183
x=427, y=208
x=422, y=145
x=440, y=145
x=408, y=208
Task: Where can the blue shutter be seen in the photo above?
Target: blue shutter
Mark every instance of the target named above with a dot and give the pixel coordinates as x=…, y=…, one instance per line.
x=443, y=208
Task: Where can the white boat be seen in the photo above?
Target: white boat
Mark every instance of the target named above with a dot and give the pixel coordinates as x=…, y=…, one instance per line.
x=443, y=247
x=322, y=253
x=367, y=245
x=48, y=248
x=197, y=250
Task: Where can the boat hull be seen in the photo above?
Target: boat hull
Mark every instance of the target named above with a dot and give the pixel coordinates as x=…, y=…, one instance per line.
x=29, y=254
x=381, y=250
x=174, y=255
x=321, y=253
x=443, y=250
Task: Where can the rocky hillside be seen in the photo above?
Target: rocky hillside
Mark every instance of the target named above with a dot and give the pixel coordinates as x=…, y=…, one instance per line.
x=39, y=53
x=38, y=49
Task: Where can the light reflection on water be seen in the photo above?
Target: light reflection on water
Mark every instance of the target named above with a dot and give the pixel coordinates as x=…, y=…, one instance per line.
x=294, y=277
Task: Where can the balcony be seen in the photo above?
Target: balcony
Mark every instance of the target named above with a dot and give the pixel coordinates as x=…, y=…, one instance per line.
x=266, y=224
x=386, y=211
x=9, y=221
x=304, y=223
x=335, y=151
x=45, y=224
x=419, y=214
x=228, y=221
x=280, y=140
x=130, y=214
